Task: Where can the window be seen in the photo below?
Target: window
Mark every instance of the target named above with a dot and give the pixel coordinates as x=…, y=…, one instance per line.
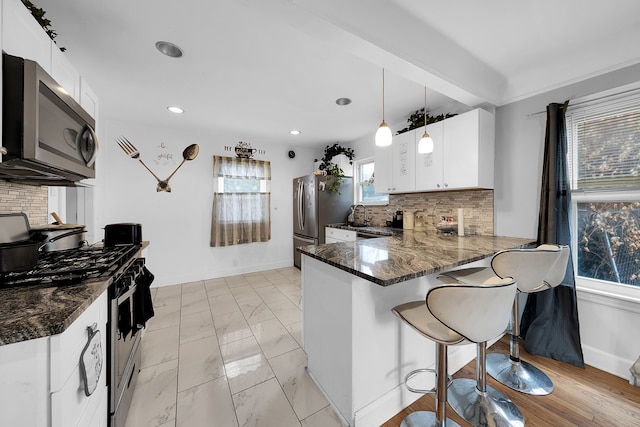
x=364, y=189
x=241, y=201
x=604, y=164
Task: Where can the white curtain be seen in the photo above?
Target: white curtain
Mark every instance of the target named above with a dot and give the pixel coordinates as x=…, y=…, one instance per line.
x=241, y=201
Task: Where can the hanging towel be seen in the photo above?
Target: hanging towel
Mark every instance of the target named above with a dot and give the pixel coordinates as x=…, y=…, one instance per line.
x=142, y=303
x=124, y=318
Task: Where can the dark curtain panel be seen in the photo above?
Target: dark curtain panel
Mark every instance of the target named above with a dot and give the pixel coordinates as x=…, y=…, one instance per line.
x=549, y=324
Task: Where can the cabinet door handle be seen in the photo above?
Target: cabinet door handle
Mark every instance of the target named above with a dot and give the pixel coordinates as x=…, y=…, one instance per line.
x=438, y=185
x=446, y=185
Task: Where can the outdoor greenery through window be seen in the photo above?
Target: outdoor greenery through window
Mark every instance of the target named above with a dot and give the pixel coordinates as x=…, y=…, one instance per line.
x=604, y=164
x=365, y=191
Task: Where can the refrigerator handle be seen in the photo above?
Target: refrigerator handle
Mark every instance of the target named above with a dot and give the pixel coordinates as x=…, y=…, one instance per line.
x=298, y=212
x=301, y=204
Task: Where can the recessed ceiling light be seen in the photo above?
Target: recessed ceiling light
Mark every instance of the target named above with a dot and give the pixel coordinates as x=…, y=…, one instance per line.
x=343, y=101
x=169, y=49
x=294, y=132
x=175, y=109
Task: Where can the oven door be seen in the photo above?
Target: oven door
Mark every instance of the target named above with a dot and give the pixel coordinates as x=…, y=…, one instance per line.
x=124, y=355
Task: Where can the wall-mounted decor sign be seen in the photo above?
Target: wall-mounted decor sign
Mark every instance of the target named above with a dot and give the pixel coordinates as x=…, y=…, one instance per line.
x=189, y=153
x=244, y=150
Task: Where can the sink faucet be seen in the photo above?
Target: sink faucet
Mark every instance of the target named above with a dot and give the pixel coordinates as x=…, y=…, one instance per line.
x=364, y=208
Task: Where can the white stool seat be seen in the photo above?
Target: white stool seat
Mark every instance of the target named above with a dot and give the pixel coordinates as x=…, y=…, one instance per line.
x=455, y=314
x=416, y=314
x=534, y=270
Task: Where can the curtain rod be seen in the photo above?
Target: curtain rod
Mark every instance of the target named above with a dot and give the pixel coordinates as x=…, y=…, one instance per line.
x=586, y=101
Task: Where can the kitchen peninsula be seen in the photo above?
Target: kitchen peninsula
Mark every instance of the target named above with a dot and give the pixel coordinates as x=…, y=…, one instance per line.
x=358, y=351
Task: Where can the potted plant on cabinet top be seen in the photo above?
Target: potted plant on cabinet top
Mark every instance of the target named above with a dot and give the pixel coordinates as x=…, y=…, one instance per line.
x=417, y=118
x=333, y=171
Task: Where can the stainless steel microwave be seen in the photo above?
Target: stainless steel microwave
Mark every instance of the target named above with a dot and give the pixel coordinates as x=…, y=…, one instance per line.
x=47, y=137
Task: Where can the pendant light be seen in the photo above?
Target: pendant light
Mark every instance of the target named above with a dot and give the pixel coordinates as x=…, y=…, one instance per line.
x=425, y=146
x=383, y=134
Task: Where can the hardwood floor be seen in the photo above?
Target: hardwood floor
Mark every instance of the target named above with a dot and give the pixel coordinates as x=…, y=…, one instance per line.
x=581, y=397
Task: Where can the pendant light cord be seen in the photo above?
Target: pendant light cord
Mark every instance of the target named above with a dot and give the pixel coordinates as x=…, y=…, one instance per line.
x=383, y=94
x=425, y=109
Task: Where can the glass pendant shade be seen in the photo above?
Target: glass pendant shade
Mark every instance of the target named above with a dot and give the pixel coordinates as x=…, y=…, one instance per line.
x=383, y=135
x=425, y=146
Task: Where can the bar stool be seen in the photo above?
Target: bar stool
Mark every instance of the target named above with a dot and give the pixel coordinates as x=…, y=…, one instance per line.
x=455, y=314
x=534, y=270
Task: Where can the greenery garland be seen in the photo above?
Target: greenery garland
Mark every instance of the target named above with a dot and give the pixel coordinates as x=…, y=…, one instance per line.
x=45, y=23
x=416, y=120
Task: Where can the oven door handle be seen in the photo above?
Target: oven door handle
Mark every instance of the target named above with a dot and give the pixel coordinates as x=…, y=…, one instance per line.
x=122, y=298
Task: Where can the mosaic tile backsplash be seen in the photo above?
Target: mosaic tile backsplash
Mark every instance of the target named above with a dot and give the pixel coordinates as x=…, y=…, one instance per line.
x=477, y=205
x=30, y=199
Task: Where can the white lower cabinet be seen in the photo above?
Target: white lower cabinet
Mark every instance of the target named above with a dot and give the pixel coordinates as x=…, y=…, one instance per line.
x=24, y=384
x=41, y=380
x=335, y=235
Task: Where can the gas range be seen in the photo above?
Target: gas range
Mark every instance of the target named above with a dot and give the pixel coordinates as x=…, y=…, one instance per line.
x=72, y=266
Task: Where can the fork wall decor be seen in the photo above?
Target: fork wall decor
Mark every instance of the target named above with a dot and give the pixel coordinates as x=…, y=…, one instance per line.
x=189, y=153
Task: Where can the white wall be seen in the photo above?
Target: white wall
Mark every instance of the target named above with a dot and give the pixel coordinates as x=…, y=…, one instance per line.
x=178, y=224
x=610, y=340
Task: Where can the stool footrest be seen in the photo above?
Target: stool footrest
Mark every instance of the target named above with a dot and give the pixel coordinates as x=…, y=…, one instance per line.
x=415, y=372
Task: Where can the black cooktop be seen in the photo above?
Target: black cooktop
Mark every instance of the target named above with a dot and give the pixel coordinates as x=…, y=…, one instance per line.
x=72, y=266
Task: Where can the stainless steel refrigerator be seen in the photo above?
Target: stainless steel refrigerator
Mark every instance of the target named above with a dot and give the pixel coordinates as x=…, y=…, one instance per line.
x=314, y=207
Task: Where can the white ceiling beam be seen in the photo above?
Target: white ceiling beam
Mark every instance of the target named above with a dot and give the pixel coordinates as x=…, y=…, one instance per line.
x=388, y=37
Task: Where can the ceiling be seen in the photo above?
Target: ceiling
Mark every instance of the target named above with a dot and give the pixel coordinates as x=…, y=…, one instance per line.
x=256, y=69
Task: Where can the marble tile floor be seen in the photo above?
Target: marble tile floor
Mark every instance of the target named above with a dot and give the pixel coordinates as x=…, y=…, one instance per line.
x=226, y=352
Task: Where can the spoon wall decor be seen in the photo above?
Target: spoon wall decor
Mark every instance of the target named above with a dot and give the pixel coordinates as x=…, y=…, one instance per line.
x=189, y=153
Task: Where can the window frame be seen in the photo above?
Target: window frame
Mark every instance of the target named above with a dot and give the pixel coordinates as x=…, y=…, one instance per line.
x=356, y=184
x=239, y=225
x=600, y=287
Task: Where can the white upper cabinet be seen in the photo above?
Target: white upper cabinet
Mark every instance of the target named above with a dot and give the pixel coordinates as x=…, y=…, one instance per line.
x=383, y=183
x=88, y=99
x=64, y=73
x=462, y=157
x=22, y=35
x=463, y=154
x=396, y=165
x=429, y=167
x=404, y=162
x=469, y=150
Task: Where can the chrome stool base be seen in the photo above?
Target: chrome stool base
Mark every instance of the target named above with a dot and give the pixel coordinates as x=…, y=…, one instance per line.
x=520, y=376
x=425, y=419
x=490, y=408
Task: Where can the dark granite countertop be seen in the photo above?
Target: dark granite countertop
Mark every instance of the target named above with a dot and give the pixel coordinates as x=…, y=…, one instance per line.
x=409, y=254
x=38, y=311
